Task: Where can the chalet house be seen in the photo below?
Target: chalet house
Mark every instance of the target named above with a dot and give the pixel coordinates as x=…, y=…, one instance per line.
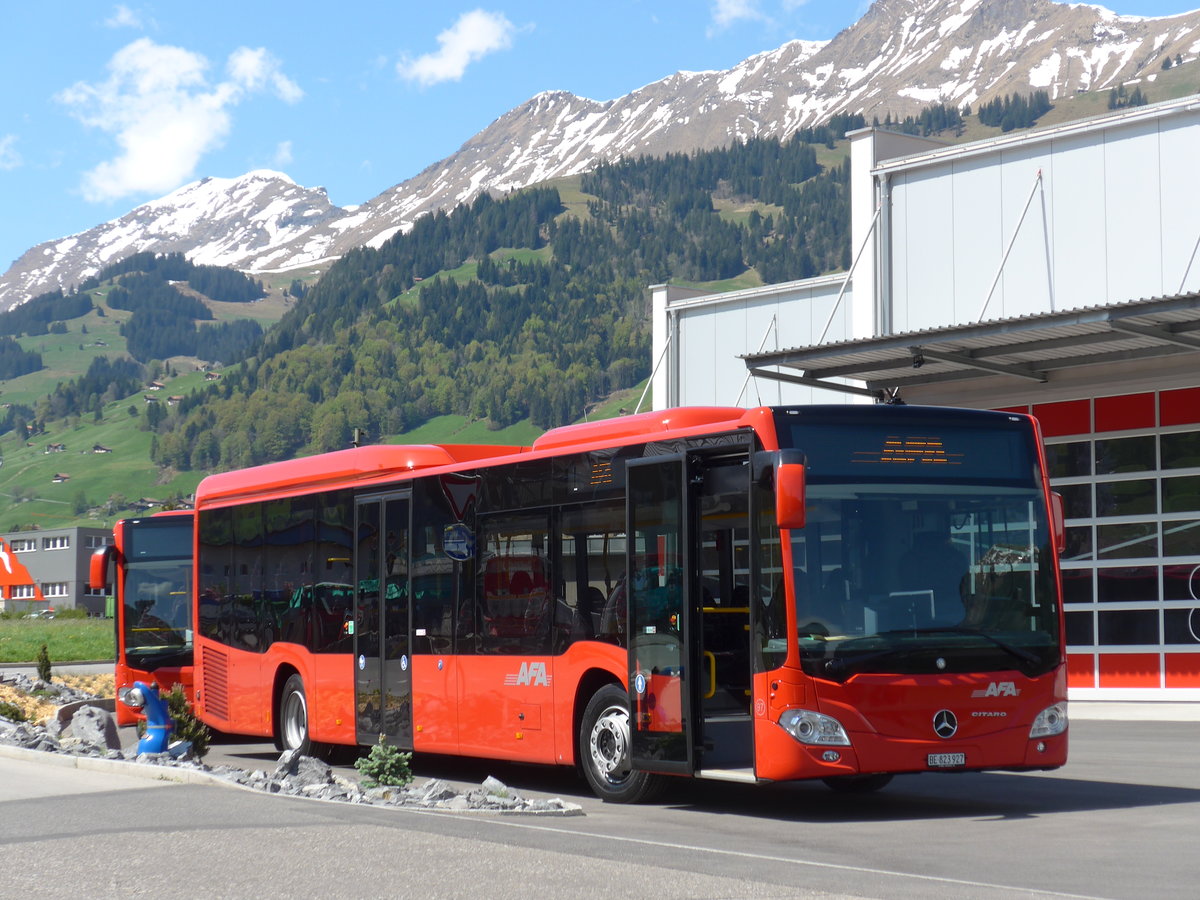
x=149, y=399
x=100, y=448
x=171, y=401
x=155, y=386
x=55, y=448
x=211, y=376
x=59, y=478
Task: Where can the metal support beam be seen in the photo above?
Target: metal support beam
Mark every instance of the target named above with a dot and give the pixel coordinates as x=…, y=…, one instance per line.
x=849, y=275
x=1158, y=333
x=1037, y=182
x=962, y=359
x=818, y=383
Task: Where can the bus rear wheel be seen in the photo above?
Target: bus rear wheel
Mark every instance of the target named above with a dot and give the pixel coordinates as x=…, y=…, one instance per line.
x=857, y=784
x=604, y=750
x=293, y=717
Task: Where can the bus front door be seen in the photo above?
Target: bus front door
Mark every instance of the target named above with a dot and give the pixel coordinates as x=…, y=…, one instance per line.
x=382, y=663
x=661, y=640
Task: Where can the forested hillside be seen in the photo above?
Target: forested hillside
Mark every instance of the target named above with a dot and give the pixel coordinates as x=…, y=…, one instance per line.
x=515, y=308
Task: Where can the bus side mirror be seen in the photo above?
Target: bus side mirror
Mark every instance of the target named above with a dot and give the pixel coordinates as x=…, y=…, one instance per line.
x=100, y=568
x=1058, y=520
x=789, y=495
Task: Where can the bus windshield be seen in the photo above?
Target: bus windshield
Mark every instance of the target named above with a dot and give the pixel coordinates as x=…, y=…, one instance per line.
x=157, y=608
x=924, y=578
x=157, y=611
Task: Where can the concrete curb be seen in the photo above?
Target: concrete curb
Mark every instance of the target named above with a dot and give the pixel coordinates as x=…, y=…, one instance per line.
x=116, y=766
x=184, y=775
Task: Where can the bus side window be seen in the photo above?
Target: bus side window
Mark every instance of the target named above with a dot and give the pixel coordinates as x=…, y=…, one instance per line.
x=515, y=584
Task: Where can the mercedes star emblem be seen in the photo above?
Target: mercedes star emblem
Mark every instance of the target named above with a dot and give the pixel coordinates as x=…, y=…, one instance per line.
x=945, y=723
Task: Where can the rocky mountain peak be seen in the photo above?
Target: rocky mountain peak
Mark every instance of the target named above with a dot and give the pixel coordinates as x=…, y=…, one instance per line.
x=901, y=56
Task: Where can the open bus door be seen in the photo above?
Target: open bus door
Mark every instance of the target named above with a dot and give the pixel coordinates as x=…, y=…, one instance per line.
x=382, y=651
x=661, y=643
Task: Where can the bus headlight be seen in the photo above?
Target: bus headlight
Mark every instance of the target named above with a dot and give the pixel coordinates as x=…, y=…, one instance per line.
x=810, y=727
x=1050, y=721
x=132, y=697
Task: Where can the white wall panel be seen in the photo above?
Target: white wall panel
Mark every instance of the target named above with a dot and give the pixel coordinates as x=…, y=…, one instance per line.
x=775, y=323
x=1179, y=158
x=1133, y=212
x=1116, y=219
x=926, y=295
x=978, y=239
x=715, y=330
x=1075, y=181
x=698, y=361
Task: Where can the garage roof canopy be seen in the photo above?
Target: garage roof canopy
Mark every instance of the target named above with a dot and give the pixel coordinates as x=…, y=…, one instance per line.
x=1031, y=348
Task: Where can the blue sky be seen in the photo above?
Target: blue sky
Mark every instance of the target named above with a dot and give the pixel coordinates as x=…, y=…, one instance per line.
x=106, y=105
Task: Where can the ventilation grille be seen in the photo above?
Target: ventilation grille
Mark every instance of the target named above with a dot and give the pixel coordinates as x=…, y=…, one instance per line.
x=216, y=683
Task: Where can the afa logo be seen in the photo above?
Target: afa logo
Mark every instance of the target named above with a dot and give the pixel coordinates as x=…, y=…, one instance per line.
x=998, y=689
x=530, y=673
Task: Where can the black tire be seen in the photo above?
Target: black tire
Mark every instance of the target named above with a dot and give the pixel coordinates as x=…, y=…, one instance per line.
x=858, y=784
x=291, y=732
x=604, y=750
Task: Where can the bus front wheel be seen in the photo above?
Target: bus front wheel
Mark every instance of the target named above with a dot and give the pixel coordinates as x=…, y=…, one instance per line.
x=604, y=750
x=293, y=717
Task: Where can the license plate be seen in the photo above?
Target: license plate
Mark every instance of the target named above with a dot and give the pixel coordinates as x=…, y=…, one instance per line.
x=946, y=760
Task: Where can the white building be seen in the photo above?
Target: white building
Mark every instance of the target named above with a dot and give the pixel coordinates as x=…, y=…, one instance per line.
x=1053, y=272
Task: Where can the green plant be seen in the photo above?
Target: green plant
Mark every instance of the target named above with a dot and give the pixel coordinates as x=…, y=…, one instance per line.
x=12, y=712
x=385, y=765
x=187, y=726
x=43, y=663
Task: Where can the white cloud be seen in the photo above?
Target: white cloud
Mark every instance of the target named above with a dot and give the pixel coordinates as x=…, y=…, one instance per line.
x=124, y=17
x=9, y=157
x=283, y=154
x=472, y=37
x=728, y=12
x=254, y=69
x=164, y=114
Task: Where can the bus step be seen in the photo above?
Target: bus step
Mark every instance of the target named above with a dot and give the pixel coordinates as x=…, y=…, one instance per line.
x=746, y=776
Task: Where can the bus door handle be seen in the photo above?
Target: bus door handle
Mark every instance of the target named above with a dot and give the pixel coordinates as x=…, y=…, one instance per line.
x=712, y=675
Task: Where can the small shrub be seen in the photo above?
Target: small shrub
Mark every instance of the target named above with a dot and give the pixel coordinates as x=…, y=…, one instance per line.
x=187, y=726
x=43, y=664
x=12, y=712
x=385, y=766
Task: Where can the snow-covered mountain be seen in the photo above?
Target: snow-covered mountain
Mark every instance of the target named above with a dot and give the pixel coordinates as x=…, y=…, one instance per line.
x=901, y=56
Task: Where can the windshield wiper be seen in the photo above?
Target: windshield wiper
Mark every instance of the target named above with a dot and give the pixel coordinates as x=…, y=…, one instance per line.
x=1011, y=649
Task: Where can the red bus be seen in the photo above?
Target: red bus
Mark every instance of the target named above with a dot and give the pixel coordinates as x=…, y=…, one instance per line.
x=827, y=592
x=149, y=571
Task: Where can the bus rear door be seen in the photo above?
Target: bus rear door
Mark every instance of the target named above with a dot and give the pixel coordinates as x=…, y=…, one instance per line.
x=382, y=660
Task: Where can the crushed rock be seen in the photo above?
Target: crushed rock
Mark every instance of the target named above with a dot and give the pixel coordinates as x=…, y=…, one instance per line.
x=294, y=775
